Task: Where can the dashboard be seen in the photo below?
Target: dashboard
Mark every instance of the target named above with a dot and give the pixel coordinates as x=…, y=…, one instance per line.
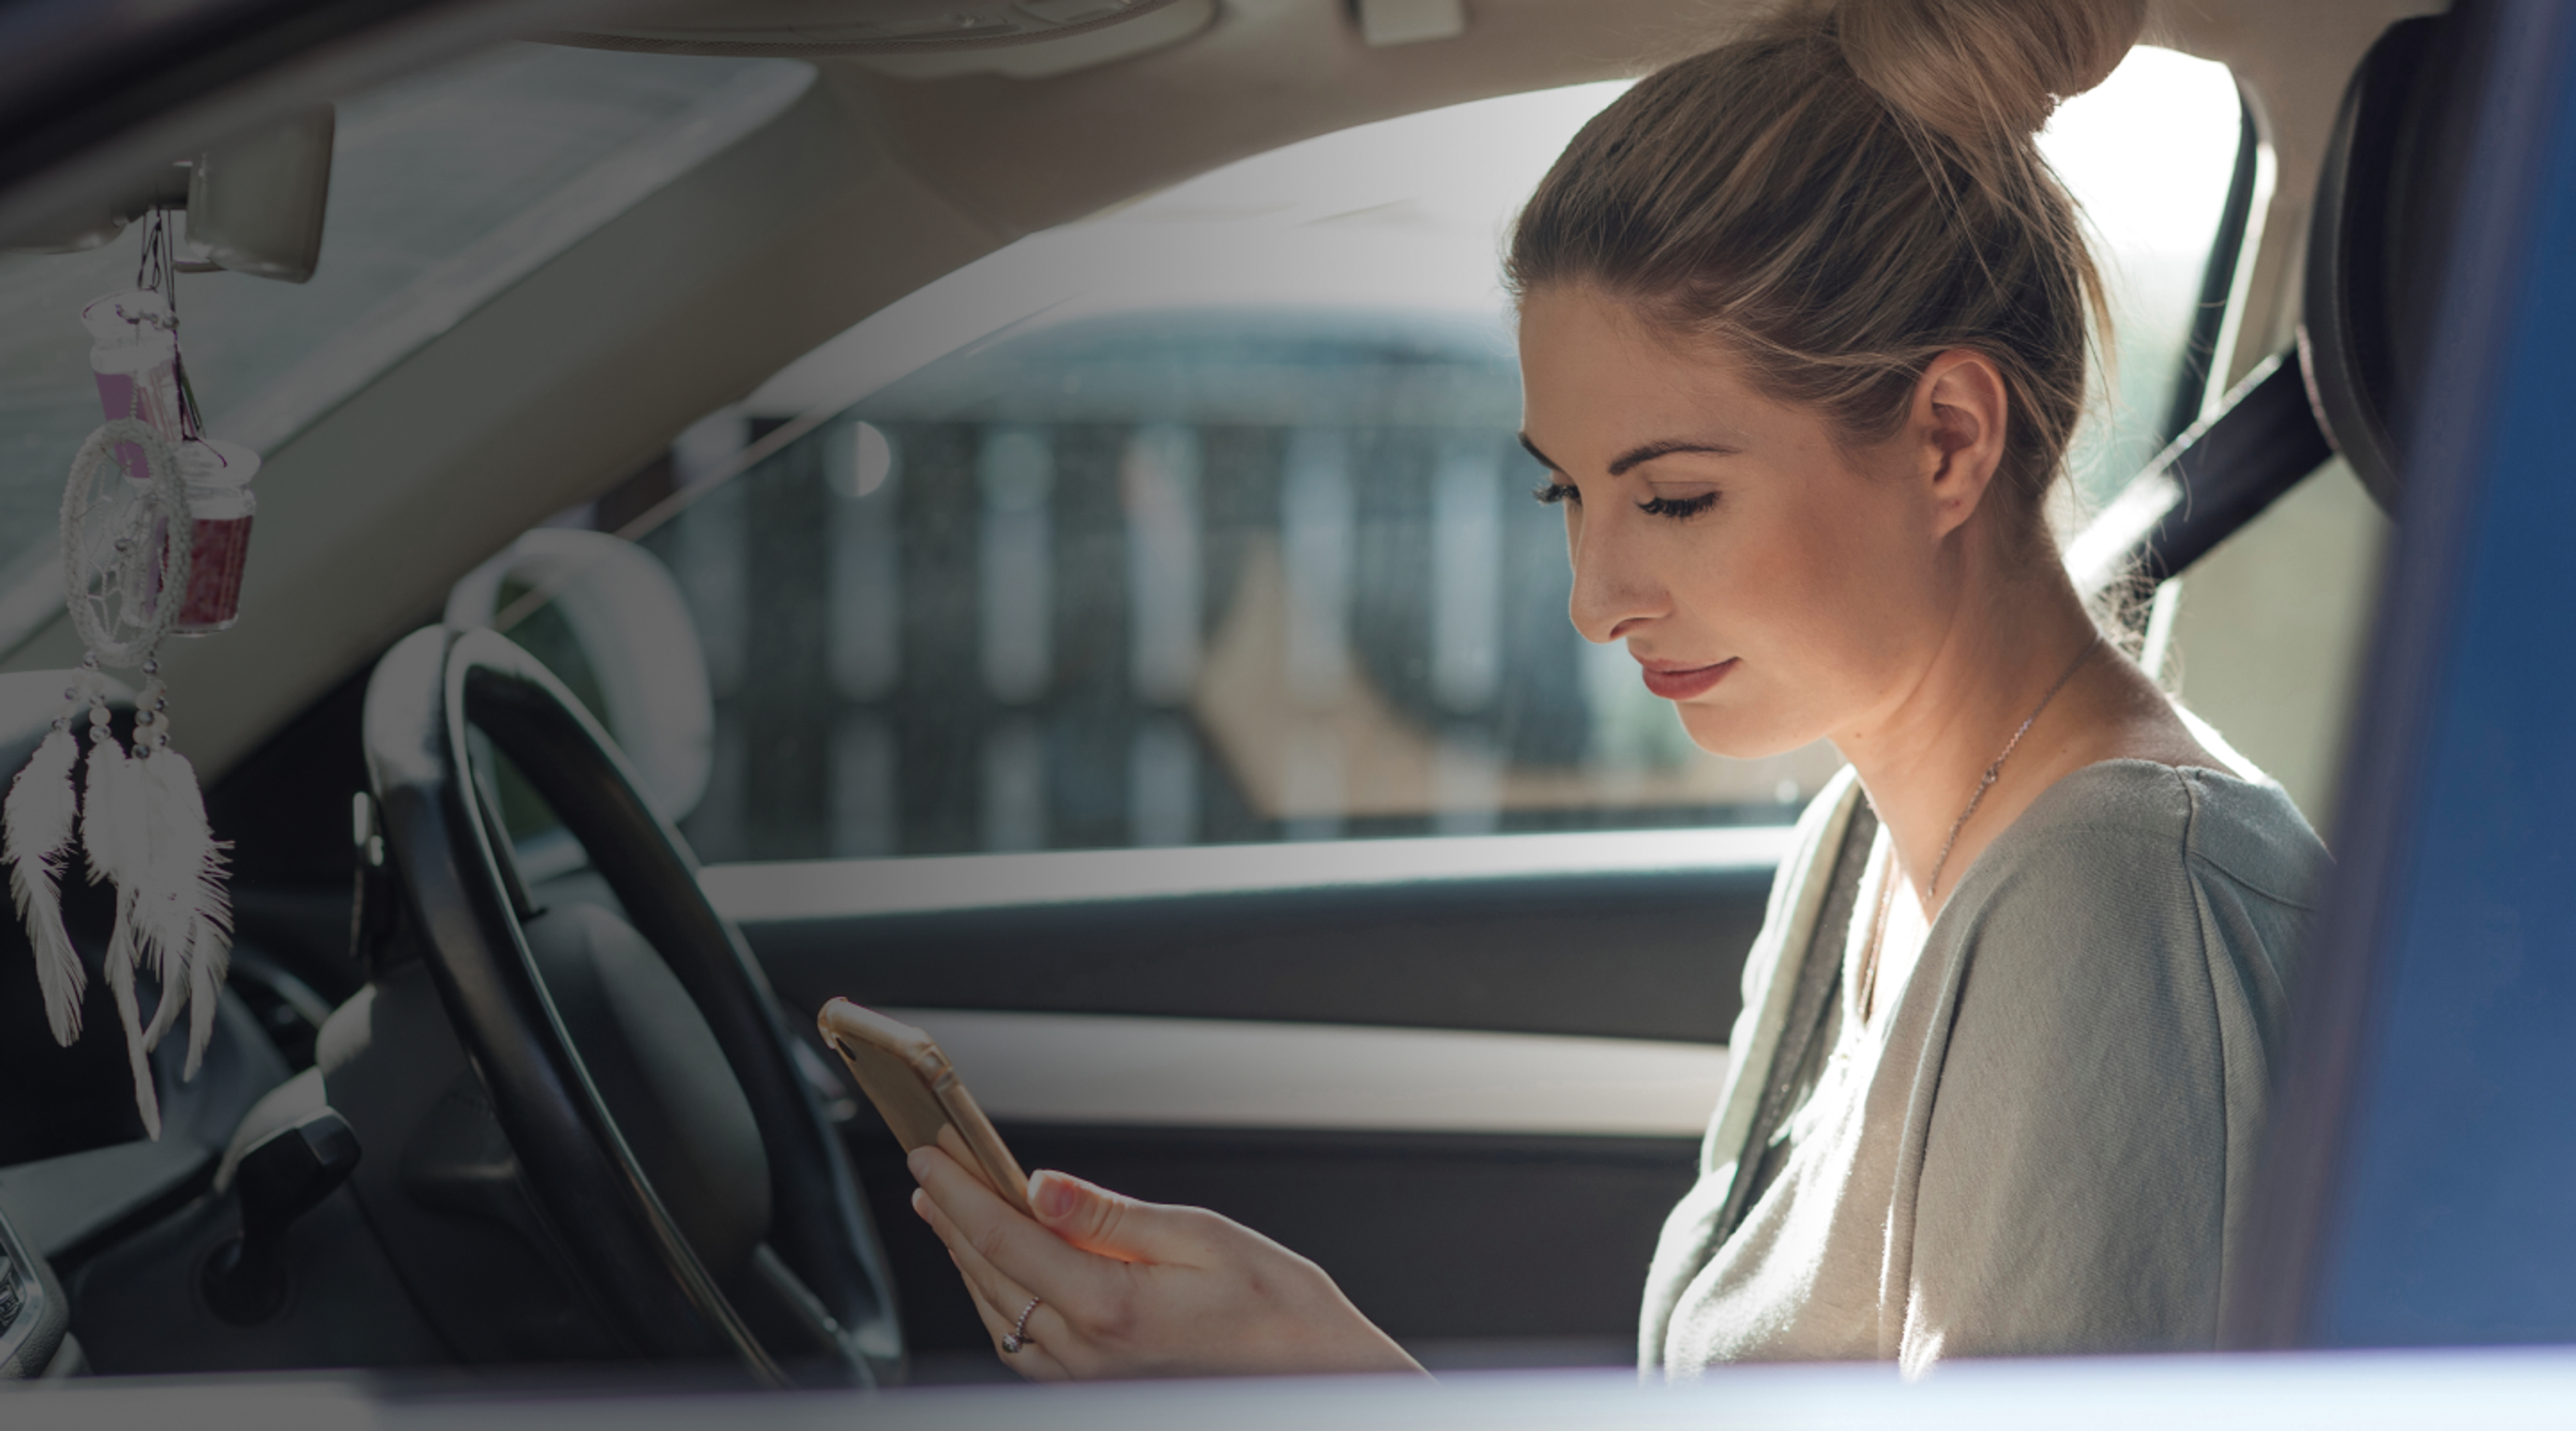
x=34, y=1317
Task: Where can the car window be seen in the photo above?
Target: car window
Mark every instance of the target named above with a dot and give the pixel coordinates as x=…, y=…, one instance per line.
x=1203, y=520
x=446, y=187
x=2164, y=162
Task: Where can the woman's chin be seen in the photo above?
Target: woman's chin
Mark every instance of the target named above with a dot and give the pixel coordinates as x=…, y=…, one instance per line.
x=1731, y=734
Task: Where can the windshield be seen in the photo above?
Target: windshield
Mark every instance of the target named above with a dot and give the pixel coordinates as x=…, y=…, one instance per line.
x=445, y=188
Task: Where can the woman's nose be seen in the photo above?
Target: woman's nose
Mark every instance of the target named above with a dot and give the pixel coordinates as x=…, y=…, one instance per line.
x=1613, y=588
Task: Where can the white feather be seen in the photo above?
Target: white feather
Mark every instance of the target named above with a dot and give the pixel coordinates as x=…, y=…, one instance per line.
x=147, y=1101
x=110, y=825
x=118, y=828
x=174, y=996
x=112, y=831
x=123, y=826
x=116, y=834
x=184, y=915
x=35, y=840
x=121, y=953
x=145, y=830
x=209, y=955
x=58, y=964
x=174, y=851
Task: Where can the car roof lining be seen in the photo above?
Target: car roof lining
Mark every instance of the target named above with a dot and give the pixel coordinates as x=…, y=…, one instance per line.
x=800, y=29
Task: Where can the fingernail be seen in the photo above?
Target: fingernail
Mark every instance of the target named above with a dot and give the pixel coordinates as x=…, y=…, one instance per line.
x=921, y=1204
x=1052, y=1194
x=914, y=1160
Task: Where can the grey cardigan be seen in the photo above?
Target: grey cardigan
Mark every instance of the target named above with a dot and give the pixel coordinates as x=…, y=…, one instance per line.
x=2043, y=1142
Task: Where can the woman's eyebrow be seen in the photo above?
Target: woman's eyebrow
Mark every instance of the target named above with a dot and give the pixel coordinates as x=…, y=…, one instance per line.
x=1644, y=452
x=1648, y=452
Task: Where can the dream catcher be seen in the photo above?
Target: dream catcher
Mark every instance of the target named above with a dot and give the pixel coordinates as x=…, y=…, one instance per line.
x=155, y=523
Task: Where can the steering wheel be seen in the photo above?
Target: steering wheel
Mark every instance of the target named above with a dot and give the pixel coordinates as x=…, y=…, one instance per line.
x=517, y=1011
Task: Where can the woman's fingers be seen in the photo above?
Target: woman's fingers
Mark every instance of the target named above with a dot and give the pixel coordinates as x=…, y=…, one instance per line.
x=999, y=1298
x=990, y=1284
x=953, y=1143
x=1085, y=1214
x=1202, y=1295
x=991, y=1291
x=971, y=1218
x=1033, y=1360
x=1111, y=1224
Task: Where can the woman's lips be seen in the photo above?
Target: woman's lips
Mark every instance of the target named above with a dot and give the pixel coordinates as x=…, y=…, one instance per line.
x=1682, y=683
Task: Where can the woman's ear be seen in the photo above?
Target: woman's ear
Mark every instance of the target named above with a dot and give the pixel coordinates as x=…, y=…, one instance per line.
x=1960, y=407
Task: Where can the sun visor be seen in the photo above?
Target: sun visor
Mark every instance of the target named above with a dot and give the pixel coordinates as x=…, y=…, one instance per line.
x=921, y=39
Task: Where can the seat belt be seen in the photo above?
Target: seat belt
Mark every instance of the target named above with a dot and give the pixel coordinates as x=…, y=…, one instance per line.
x=1819, y=977
x=2228, y=469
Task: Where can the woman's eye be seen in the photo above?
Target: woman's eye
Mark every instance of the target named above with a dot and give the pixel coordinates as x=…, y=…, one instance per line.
x=1554, y=492
x=1678, y=506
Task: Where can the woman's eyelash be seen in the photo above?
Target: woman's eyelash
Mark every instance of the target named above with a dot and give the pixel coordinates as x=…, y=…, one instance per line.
x=1552, y=493
x=1678, y=506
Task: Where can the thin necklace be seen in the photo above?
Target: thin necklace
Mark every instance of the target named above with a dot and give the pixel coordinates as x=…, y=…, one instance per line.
x=1887, y=889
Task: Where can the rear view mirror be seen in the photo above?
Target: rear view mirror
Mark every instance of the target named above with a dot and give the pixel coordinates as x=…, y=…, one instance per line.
x=254, y=204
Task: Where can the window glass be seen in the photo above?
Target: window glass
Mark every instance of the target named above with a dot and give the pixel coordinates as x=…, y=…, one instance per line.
x=445, y=187
x=1203, y=520
x=2150, y=156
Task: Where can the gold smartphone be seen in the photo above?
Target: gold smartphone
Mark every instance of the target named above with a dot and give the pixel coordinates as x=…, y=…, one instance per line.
x=909, y=1080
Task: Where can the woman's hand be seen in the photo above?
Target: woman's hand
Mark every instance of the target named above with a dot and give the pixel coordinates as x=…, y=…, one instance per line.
x=1133, y=1289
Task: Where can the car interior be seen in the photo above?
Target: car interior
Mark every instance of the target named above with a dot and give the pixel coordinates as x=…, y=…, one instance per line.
x=1008, y=513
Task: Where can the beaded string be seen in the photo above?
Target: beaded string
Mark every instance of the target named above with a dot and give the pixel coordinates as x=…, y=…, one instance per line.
x=151, y=711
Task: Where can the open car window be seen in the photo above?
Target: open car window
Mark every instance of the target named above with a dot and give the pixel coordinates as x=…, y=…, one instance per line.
x=1202, y=521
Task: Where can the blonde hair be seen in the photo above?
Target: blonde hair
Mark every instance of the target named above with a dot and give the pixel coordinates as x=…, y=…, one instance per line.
x=1844, y=193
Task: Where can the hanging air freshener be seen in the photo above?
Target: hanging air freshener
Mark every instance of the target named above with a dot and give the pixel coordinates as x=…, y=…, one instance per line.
x=131, y=533
x=134, y=352
x=219, y=507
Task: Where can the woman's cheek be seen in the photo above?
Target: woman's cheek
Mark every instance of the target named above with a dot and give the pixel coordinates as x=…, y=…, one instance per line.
x=1794, y=673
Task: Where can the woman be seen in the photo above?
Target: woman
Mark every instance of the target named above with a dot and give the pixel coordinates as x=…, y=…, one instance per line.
x=1803, y=341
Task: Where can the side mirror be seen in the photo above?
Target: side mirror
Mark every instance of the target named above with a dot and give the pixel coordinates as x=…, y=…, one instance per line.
x=634, y=633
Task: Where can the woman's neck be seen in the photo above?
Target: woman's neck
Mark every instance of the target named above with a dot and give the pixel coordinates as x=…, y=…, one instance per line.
x=2009, y=642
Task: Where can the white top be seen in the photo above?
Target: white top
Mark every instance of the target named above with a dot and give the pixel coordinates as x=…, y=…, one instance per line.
x=2042, y=1140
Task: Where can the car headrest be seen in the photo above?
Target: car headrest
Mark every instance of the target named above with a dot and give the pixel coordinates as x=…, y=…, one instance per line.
x=2376, y=247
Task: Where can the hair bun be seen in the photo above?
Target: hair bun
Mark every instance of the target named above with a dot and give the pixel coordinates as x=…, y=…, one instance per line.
x=1985, y=70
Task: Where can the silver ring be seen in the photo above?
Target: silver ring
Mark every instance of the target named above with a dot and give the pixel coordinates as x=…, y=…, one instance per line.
x=1019, y=1336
